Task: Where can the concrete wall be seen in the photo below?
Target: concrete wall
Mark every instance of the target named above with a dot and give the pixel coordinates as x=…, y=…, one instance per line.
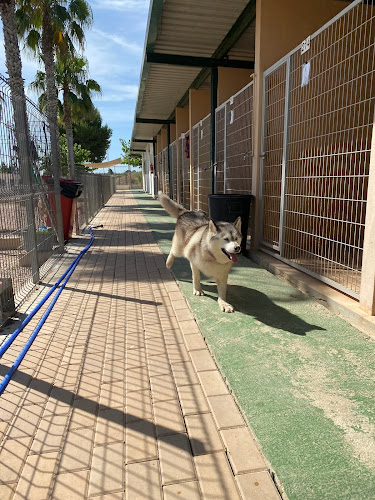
x=231, y=81
x=148, y=177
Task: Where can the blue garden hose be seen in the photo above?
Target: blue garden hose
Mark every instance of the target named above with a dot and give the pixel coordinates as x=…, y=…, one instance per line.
x=66, y=276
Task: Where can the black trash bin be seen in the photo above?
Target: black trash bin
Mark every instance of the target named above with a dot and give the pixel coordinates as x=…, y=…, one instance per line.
x=227, y=207
x=71, y=189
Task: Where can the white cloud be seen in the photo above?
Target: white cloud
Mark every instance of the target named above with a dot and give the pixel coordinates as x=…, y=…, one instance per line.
x=133, y=5
x=118, y=41
x=119, y=93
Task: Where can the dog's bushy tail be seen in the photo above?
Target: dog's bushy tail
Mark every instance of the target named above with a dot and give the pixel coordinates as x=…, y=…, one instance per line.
x=173, y=208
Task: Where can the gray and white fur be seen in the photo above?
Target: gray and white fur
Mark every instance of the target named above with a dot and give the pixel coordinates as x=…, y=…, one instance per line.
x=211, y=247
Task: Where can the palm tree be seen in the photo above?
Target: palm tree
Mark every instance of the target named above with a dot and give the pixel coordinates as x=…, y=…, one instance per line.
x=49, y=27
x=76, y=89
x=14, y=66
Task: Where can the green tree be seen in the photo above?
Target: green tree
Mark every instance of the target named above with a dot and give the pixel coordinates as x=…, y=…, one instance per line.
x=128, y=158
x=49, y=27
x=91, y=134
x=81, y=156
x=76, y=88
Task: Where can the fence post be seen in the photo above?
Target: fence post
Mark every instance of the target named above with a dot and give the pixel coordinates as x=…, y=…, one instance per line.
x=285, y=155
x=367, y=290
x=225, y=149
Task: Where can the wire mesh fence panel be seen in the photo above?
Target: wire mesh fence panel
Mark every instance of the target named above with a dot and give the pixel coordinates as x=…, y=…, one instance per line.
x=327, y=149
x=159, y=171
x=27, y=235
x=165, y=172
x=97, y=190
x=173, y=170
x=204, y=163
x=238, y=150
x=185, y=162
x=195, y=165
x=220, y=145
x=181, y=153
x=273, y=139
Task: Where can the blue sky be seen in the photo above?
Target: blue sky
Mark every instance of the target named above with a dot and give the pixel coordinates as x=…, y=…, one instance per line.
x=114, y=49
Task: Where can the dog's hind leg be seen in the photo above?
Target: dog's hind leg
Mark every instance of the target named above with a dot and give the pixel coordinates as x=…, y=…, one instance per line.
x=222, y=292
x=197, y=289
x=175, y=251
x=170, y=259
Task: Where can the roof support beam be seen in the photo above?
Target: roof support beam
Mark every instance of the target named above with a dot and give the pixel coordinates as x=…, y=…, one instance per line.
x=155, y=121
x=202, y=62
x=234, y=34
x=143, y=140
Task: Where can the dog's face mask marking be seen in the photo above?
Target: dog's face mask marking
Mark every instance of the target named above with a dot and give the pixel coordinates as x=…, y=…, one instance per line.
x=228, y=238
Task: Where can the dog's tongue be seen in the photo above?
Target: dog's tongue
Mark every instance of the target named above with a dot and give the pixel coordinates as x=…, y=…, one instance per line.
x=233, y=257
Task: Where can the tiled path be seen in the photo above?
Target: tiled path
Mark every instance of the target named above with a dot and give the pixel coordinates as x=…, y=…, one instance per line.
x=119, y=396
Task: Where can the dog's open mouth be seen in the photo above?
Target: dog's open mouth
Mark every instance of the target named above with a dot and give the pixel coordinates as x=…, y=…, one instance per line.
x=231, y=256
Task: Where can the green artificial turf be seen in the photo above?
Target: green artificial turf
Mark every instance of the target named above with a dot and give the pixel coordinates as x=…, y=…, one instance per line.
x=304, y=377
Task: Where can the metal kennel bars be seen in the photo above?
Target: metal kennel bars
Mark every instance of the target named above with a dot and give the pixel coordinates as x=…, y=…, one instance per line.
x=165, y=171
x=234, y=143
x=318, y=105
x=184, y=165
x=201, y=164
x=173, y=168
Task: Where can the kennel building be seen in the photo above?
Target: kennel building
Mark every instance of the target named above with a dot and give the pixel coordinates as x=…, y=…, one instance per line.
x=293, y=123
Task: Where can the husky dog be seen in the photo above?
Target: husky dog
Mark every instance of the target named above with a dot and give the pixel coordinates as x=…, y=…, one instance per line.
x=210, y=247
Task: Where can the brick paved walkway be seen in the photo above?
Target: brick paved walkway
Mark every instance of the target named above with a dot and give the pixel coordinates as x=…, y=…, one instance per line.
x=119, y=396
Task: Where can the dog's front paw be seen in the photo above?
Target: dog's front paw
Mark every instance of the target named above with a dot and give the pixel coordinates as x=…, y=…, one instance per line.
x=225, y=307
x=198, y=292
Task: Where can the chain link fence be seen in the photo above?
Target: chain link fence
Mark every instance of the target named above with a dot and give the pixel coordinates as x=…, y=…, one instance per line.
x=27, y=223
x=28, y=236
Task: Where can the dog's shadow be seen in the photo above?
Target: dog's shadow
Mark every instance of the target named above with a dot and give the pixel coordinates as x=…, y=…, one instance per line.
x=258, y=305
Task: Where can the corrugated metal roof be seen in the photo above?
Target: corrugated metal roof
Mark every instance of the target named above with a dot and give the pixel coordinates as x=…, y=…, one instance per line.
x=195, y=28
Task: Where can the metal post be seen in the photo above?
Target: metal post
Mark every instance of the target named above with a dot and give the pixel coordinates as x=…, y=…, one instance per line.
x=155, y=179
x=214, y=83
x=154, y=156
x=225, y=148
x=198, y=169
x=169, y=160
x=56, y=183
x=285, y=156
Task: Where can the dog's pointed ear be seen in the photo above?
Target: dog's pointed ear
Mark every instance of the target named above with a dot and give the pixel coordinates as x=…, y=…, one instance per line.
x=237, y=224
x=212, y=227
